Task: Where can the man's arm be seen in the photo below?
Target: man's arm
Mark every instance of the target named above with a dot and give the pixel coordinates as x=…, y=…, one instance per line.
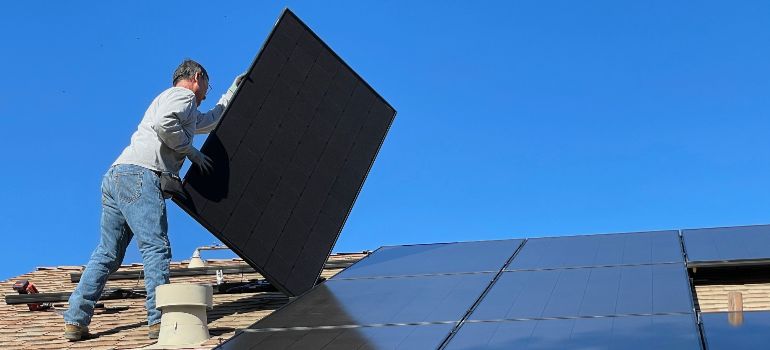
x=206, y=122
x=172, y=115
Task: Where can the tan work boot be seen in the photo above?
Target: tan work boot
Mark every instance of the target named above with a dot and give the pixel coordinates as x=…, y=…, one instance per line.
x=154, y=331
x=74, y=332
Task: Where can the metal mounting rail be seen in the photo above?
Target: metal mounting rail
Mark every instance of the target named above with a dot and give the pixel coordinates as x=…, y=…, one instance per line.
x=112, y=294
x=258, y=286
x=199, y=271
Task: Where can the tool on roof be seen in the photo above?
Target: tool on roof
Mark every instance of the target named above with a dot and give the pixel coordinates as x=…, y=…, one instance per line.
x=109, y=294
x=26, y=287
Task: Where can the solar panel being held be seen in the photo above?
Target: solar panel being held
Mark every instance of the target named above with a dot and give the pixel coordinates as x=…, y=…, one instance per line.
x=290, y=155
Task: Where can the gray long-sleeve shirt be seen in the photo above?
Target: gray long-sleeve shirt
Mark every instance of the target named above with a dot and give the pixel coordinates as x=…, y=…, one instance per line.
x=165, y=134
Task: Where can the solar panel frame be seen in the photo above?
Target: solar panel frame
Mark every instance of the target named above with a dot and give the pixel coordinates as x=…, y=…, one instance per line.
x=726, y=246
x=288, y=250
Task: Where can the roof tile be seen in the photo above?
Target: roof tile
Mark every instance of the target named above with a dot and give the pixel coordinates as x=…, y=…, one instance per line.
x=121, y=324
x=713, y=298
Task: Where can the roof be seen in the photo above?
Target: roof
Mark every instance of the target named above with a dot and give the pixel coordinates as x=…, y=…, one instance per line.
x=713, y=298
x=121, y=324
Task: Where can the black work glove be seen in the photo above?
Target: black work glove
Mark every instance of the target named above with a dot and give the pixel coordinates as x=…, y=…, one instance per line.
x=201, y=160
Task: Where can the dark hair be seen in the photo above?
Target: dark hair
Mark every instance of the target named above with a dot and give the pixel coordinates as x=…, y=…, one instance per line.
x=187, y=70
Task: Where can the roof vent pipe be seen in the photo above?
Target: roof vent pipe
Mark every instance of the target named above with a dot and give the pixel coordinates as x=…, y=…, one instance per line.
x=197, y=261
x=184, y=305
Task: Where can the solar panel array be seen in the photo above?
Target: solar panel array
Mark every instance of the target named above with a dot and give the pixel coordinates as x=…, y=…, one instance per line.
x=386, y=294
x=616, y=291
x=290, y=155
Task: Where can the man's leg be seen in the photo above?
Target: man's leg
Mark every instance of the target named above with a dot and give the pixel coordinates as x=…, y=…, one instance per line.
x=106, y=258
x=147, y=219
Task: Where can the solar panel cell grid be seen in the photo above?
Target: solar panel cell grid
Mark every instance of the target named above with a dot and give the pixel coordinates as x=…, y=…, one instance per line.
x=601, y=291
x=600, y=250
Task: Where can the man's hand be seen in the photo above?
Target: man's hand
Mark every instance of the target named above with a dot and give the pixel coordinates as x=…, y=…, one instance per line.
x=237, y=82
x=201, y=160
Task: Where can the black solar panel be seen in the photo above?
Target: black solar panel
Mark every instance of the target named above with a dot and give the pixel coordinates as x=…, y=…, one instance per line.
x=717, y=246
x=376, y=301
x=726, y=331
x=489, y=256
x=664, y=332
x=290, y=156
x=600, y=291
x=365, y=338
x=599, y=250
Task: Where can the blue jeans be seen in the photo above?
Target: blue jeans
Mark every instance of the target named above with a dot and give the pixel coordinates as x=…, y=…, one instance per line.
x=132, y=204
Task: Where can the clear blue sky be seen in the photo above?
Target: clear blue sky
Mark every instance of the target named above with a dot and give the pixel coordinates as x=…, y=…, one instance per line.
x=516, y=118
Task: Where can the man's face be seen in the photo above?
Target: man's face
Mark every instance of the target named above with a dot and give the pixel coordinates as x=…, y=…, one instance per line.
x=200, y=87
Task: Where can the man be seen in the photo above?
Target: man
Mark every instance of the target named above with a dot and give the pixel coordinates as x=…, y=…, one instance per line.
x=132, y=201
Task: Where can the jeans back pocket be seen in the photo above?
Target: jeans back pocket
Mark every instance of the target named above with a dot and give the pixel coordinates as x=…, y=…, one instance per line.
x=128, y=186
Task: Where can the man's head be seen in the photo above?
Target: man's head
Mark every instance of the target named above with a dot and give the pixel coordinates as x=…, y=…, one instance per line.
x=193, y=76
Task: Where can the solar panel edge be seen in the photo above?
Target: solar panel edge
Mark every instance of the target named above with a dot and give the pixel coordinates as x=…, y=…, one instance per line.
x=434, y=259
x=440, y=243
x=606, y=234
x=725, y=227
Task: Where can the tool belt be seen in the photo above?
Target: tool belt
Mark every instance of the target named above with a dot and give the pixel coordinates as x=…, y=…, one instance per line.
x=171, y=185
